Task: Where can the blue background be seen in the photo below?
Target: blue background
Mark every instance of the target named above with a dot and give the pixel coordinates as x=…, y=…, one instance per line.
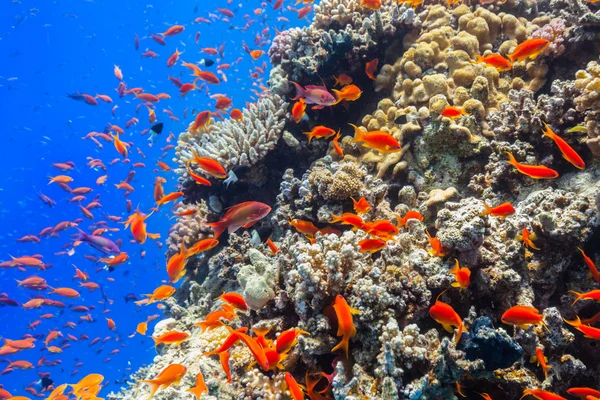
x=59, y=47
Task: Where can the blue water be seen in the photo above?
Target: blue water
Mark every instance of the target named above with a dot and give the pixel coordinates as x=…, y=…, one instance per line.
x=49, y=49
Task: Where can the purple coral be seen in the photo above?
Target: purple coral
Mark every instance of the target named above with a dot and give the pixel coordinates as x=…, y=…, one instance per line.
x=554, y=31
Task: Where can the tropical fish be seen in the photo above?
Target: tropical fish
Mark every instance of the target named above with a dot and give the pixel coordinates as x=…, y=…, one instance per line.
x=588, y=331
x=528, y=238
x=444, y=314
x=453, y=112
x=293, y=386
x=533, y=171
x=436, y=246
x=496, y=61
x=176, y=264
x=541, y=394
x=371, y=66
x=342, y=80
x=346, y=327
x=523, y=316
x=567, y=151
x=347, y=93
x=591, y=295
x=381, y=141
x=314, y=95
x=199, y=388
x=371, y=245
x=320, y=131
x=541, y=361
x=100, y=243
x=242, y=215
x=348, y=219
x=462, y=276
x=161, y=293
x=299, y=110
x=305, y=227
x=590, y=264
x=209, y=165
x=171, y=375
x=172, y=337
x=336, y=144
x=531, y=48
x=503, y=210
x=582, y=392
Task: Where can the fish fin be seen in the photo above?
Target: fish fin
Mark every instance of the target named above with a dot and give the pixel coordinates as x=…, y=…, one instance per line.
x=511, y=159
x=533, y=359
x=578, y=295
x=249, y=224
x=217, y=227
x=488, y=210
x=154, y=235
x=448, y=328
x=358, y=134
x=460, y=332
x=354, y=311
x=343, y=344
x=455, y=269
x=300, y=92
x=455, y=284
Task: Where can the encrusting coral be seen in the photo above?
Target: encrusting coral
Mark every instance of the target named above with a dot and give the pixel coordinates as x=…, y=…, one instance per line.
x=441, y=193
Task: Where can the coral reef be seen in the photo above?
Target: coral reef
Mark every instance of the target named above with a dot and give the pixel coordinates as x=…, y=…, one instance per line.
x=437, y=193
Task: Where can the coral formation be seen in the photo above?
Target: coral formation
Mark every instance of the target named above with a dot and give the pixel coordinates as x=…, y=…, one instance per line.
x=437, y=193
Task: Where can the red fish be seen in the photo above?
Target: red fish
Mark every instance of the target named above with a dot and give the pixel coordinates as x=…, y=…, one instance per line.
x=371, y=66
x=567, y=151
x=174, y=30
x=533, y=171
x=444, y=314
x=523, y=316
x=590, y=264
x=346, y=327
x=531, y=48
x=502, y=211
x=242, y=215
x=381, y=141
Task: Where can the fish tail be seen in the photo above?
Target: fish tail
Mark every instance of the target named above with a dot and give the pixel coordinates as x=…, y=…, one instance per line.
x=310, y=136
x=336, y=218
x=547, y=131
x=511, y=159
x=578, y=295
x=153, y=385
x=459, y=332
x=479, y=59
x=488, y=210
x=217, y=227
x=576, y=323
x=456, y=267
x=343, y=344
x=358, y=134
x=300, y=92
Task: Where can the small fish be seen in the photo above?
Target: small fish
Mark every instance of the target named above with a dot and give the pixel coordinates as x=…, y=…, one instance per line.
x=311, y=94
x=348, y=93
x=199, y=388
x=371, y=245
x=371, y=66
x=305, y=227
x=591, y=295
x=172, y=337
x=462, y=276
x=299, y=110
x=582, y=392
x=173, y=30
x=381, y=141
x=436, y=246
x=496, y=61
x=528, y=238
x=342, y=80
x=453, y=112
x=294, y=388
x=541, y=361
x=320, y=131
x=523, y=316
x=502, y=211
x=242, y=215
x=533, y=171
x=567, y=151
x=202, y=246
x=361, y=206
x=161, y=293
x=348, y=219
x=590, y=264
x=177, y=263
x=531, y=48
x=542, y=394
x=142, y=327
x=346, y=327
x=577, y=128
x=171, y=375
x=234, y=299
x=444, y=314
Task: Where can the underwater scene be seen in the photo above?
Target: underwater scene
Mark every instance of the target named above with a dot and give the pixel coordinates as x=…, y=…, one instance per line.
x=300, y=199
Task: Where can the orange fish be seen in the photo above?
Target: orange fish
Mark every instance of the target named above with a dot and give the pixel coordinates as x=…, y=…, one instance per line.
x=502, y=211
x=202, y=246
x=371, y=66
x=210, y=166
x=590, y=264
x=567, y=151
x=305, y=227
x=533, y=171
x=346, y=327
x=172, y=337
x=118, y=73
x=381, y=141
x=342, y=80
x=163, y=166
x=202, y=120
x=411, y=214
x=199, y=388
x=582, y=392
x=172, y=60
x=371, y=245
x=496, y=61
x=320, y=131
x=141, y=328
x=361, y=206
x=229, y=342
x=119, y=145
x=541, y=361
x=223, y=103
x=294, y=388
x=60, y=179
x=288, y=339
x=531, y=48
x=299, y=110
x=591, y=295
x=255, y=54
x=444, y=314
x=64, y=292
x=208, y=77
x=588, y=331
x=171, y=375
x=462, y=276
x=169, y=197
x=236, y=114
x=336, y=145
x=111, y=324
x=234, y=299
x=200, y=180
x=528, y=238
x=256, y=350
x=224, y=359
x=523, y=316
x=382, y=229
x=348, y=219
x=542, y=394
x=348, y=93
x=161, y=293
x=174, y=30
x=272, y=246
x=242, y=215
x=176, y=264
x=453, y=112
